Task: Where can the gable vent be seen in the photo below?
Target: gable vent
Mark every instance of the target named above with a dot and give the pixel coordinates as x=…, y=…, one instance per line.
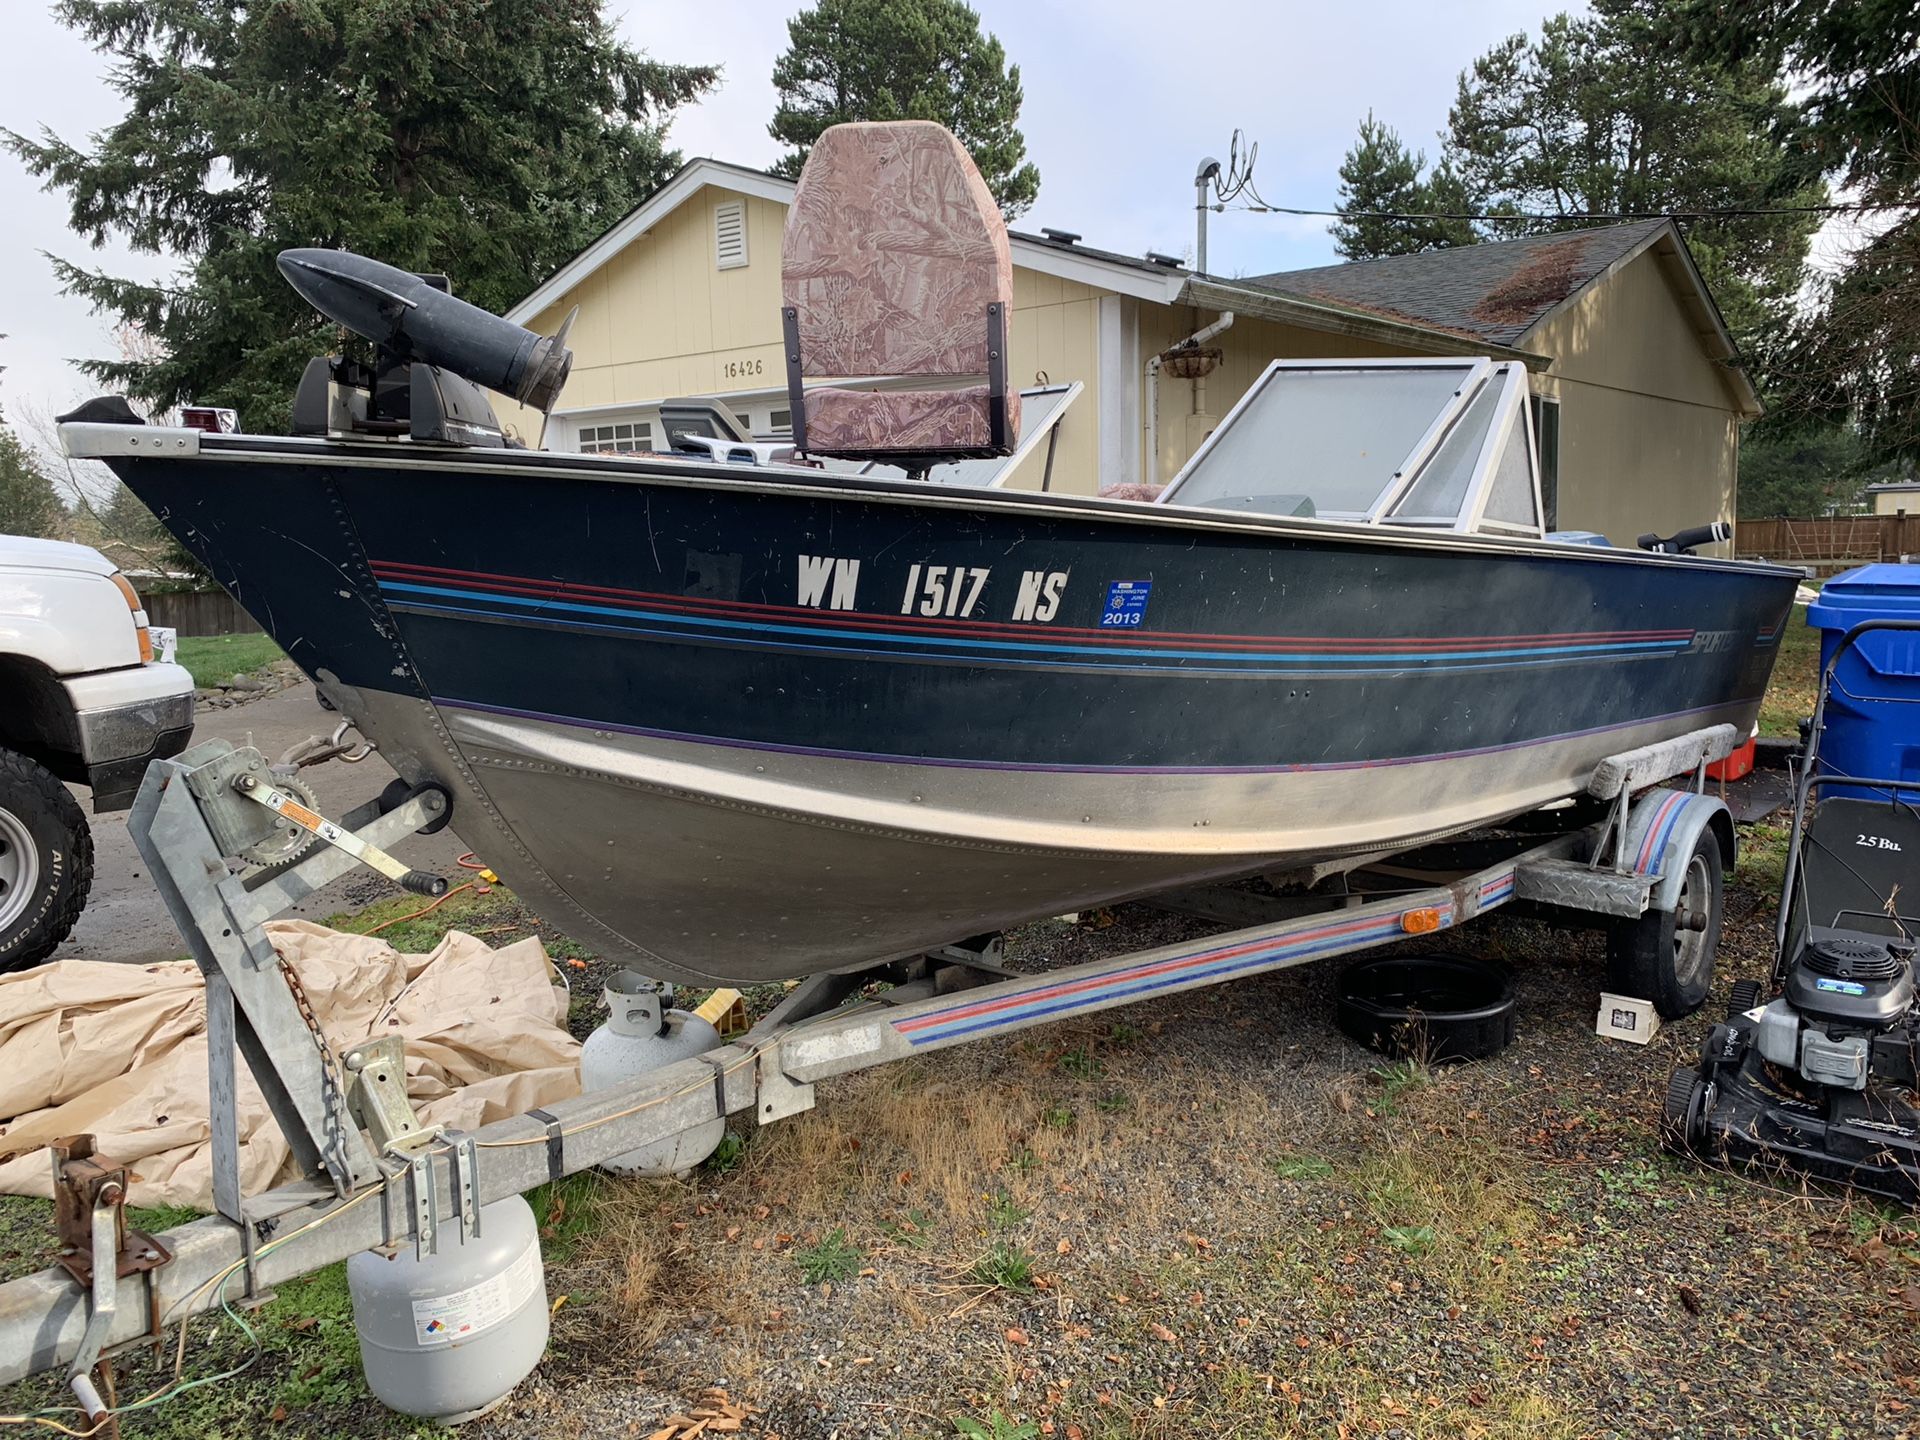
x=730, y=235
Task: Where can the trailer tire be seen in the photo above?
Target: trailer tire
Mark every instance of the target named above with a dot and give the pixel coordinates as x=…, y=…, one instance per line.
x=1666, y=956
x=46, y=862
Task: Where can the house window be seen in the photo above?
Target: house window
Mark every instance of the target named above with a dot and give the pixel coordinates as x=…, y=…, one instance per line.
x=1546, y=439
x=616, y=437
x=780, y=422
x=730, y=235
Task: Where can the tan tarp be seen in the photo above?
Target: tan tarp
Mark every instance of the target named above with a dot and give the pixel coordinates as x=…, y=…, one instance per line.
x=121, y=1051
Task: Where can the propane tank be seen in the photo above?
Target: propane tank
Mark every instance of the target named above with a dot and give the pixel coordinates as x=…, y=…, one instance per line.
x=447, y=1336
x=644, y=1032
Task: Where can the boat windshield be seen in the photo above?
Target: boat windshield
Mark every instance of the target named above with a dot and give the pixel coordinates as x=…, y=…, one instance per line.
x=1438, y=443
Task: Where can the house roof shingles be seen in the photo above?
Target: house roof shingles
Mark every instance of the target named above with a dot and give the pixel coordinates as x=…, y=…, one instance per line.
x=1496, y=291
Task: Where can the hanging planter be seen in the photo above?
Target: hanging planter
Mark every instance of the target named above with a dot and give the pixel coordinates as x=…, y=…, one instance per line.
x=1192, y=363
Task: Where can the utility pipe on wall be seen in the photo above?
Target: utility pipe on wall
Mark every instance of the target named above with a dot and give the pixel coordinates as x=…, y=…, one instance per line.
x=1199, y=337
x=1209, y=168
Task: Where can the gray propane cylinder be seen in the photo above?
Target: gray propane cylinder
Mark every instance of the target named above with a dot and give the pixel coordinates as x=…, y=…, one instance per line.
x=447, y=1337
x=640, y=1035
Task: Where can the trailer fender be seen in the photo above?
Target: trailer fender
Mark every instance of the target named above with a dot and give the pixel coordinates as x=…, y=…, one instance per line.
x=1663, y=829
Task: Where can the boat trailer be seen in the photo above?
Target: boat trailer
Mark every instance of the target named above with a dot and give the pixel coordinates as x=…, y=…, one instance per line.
x=376, y=1178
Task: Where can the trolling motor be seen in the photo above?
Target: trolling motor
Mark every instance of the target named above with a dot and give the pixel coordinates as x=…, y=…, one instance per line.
x=435, y=357
x=1817, y=1071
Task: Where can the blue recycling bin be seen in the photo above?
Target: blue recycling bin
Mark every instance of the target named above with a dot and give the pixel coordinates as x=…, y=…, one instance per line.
x=1873, y=714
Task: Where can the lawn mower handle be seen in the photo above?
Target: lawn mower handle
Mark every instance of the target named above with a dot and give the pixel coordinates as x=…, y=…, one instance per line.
x=1803, y=790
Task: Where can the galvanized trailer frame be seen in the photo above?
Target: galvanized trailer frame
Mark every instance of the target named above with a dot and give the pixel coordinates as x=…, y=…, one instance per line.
x=391, y=1191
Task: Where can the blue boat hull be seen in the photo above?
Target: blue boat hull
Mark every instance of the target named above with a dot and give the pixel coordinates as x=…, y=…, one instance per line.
x=737, y=726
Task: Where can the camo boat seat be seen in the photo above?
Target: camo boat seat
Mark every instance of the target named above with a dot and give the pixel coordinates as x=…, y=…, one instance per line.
x=895, y=263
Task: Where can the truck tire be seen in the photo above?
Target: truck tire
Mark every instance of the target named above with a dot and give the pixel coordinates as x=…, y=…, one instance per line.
x=1666, y=956
x=46, y=862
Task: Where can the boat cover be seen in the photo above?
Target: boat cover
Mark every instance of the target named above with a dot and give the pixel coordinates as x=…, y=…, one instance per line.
x=120, y=1051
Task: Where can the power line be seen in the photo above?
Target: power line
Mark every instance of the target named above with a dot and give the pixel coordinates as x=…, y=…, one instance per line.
x=1707, y=214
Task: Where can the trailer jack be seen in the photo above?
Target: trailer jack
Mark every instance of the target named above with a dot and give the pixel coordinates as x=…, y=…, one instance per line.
x=99, y=1251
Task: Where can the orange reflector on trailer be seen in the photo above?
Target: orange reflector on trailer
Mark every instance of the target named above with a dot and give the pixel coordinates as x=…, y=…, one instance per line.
x=1420, y=922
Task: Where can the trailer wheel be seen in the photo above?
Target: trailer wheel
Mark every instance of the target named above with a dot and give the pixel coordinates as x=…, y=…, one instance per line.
x=46, y=862
x=1666, y=956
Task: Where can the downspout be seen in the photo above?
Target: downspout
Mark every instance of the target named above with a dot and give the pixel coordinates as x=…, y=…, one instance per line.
x=1153, y=421
x=1199, y=337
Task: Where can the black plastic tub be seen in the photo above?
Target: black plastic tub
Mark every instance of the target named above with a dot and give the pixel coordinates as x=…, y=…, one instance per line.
x=1435, y=1008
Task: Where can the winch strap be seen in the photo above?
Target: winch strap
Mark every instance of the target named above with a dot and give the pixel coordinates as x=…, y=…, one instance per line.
x=556, y=1144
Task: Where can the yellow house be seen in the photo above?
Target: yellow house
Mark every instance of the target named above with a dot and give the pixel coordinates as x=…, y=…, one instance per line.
x=1639, y=392
x=1896, y=497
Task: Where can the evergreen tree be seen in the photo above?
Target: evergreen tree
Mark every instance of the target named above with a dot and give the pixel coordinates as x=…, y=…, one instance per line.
x=1853, y=357
x=29, y=505
x=1802, y=470
x=1602, y=115
x=904, y=60
x=1381, y=176
x=1605, y=115
x=490, y=139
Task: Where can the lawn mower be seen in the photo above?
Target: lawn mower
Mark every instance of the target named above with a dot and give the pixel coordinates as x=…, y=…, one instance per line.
x=1816, y=1070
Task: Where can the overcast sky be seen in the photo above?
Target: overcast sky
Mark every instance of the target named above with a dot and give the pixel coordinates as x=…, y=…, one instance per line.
x=1123, y=98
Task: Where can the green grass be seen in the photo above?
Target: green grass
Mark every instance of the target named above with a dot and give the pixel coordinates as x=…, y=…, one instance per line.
x=997, y=1426
x=915, y=1231
x=1796, y=674
x=834, y=1258
x=565, y=1211
x=1005, y=1265
x=1004, y=1212
x=496, y=911
x=1081, y=1063
x=215, y=659
x=1395, y=1080
x=1763, y=854
x=1302, y=1167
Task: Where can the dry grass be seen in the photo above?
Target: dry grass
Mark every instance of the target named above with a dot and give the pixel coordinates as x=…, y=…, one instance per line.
x=1238, y=1225
x=1459, y=1210
x=926, y=1180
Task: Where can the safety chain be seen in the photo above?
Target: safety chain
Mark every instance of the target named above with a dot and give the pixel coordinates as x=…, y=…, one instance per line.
x=332, y=1099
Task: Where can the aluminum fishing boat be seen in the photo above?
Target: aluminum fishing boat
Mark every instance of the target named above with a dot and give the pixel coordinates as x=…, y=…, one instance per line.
x=737, y=722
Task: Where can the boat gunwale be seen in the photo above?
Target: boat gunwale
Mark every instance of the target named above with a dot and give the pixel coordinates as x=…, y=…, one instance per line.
x=804, y=482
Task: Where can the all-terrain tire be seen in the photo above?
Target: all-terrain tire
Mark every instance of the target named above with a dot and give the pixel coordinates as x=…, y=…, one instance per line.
x=1658, y=958
x=48, y=860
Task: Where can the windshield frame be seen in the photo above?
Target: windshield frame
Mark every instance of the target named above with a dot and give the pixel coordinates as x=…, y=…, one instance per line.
x=1510, y=378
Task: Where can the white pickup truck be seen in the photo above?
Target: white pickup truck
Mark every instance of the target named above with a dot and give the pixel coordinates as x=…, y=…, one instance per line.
x=82, y=700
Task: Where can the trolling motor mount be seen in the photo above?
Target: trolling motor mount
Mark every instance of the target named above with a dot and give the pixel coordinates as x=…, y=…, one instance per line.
x=435, y=356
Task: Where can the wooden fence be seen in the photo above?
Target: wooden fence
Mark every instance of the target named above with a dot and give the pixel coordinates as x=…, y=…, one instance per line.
x=1856, y=538
x=198, y=612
